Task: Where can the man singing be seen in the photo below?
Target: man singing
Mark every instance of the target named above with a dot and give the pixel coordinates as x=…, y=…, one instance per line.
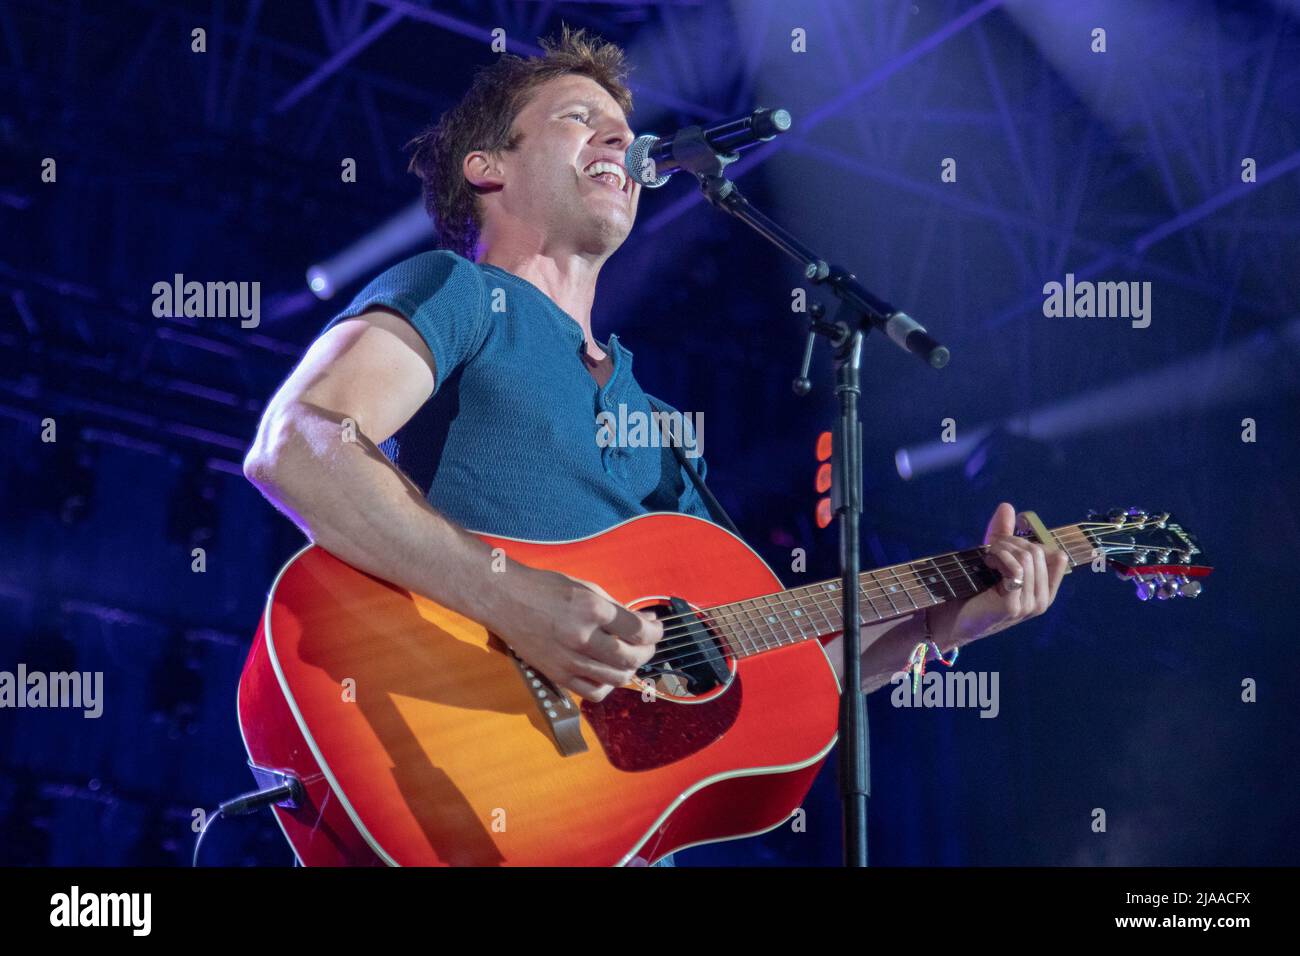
x=478, y=366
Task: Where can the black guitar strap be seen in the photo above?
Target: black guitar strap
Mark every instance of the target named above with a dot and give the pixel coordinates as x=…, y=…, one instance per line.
x=716, y=511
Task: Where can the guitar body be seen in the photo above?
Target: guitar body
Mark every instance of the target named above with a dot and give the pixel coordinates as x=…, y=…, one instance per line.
x=419, y=741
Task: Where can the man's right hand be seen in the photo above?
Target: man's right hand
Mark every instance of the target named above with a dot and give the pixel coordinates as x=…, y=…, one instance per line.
x=574, y=632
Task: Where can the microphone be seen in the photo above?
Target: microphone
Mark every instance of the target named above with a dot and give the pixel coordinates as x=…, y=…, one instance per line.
x=650, y=160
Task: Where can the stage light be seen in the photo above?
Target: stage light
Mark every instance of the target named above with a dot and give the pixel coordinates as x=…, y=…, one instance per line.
x=1255, y=366
x=364, y=256
x=823, y=512
x=823, y=480
x=319, y=283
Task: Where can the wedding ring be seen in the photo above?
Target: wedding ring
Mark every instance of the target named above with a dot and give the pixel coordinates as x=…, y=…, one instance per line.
x=1015, y=584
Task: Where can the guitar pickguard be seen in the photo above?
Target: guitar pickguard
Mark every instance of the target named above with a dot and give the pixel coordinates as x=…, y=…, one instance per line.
x=638, y=734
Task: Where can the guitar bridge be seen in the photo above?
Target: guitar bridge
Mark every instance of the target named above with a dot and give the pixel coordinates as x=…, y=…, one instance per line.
x=561, y=716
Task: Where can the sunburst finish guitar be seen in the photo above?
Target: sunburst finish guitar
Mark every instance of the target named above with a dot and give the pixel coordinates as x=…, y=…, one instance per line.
x=420, y=739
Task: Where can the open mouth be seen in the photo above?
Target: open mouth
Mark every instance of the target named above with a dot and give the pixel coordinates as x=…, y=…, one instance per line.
x=611, y=174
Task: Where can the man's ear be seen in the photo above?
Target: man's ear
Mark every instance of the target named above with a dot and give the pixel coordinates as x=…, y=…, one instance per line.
x=482, y=170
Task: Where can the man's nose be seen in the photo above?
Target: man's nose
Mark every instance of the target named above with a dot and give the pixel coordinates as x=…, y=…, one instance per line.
x=619, y=138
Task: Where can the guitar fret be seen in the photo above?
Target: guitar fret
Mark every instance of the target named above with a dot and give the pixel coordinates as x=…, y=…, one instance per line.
x=961, y=564
x=922, y=586
x=866, y=594
x=730, y=635
x=746, y=619
x=759, y=619
x=888, y=595
x=824, y=601
x=796, y=614
x=773, y=619
x=944, y=578
x=906, y=590
x=770, y=621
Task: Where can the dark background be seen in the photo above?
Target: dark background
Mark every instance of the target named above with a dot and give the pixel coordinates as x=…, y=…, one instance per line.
x=1122, y=165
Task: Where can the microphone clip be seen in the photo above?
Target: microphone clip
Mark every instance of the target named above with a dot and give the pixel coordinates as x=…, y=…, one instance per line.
x=691, y=151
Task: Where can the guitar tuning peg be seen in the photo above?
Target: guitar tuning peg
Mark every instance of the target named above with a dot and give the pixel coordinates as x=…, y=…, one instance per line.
x=1146, y=590
x=1188, y=587
x=1166, y=589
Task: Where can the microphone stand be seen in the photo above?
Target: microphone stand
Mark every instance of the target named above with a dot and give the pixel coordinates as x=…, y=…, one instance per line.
x=859, y=311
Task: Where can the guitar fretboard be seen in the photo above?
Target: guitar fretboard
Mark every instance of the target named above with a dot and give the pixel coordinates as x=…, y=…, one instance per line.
x=815, y=610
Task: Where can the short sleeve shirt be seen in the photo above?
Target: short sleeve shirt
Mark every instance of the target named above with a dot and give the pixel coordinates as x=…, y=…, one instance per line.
x=518, y=439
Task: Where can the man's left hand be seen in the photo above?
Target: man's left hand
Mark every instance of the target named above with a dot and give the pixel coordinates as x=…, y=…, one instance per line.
x=1030, y=579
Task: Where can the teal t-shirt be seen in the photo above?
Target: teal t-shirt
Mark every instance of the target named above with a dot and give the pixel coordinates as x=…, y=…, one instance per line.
x=518, y=439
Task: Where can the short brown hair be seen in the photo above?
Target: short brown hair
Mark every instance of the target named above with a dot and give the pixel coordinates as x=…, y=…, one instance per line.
x=484, y=117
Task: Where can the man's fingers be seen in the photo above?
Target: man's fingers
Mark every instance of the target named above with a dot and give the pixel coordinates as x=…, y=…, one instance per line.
x=1032, y=560
x=1003, y=522
x=591, y=586
x=1042, y=582
x=1001, y=558
x=592, y=670
x=613, y=651
x=589, y=690
x=635, y=627
x=1057, y=564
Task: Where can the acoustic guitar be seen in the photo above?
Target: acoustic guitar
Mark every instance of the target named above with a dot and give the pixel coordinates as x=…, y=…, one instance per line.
x=421, y=739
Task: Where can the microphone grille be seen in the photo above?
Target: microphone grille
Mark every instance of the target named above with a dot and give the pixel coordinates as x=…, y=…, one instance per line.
x=639, y=164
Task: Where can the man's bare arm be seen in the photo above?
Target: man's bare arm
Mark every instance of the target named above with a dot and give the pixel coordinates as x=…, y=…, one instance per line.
x=885, y=649
x=362, y=380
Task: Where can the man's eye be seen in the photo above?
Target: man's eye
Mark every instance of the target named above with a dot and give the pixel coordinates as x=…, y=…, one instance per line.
x=581, y=116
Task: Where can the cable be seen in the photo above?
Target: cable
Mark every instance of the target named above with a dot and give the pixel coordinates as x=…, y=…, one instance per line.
x=194, y=860
x=289, y=790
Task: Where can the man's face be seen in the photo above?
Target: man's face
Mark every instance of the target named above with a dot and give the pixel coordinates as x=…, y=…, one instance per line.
x=553, y=181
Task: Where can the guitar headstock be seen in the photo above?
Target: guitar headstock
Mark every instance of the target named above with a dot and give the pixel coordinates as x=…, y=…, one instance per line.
x=1150, y=549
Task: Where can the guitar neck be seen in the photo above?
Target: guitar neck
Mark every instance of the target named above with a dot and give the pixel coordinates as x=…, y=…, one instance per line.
x=815, y=610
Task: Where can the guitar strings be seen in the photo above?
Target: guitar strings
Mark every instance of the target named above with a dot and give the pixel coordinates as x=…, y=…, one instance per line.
x=945, y=565
x=744, y=619
x=816, y=600
x=740, y=620
x=735, y=614
x=953, y=559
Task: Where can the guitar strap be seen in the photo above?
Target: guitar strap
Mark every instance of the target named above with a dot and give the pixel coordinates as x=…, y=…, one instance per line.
x=716, y=511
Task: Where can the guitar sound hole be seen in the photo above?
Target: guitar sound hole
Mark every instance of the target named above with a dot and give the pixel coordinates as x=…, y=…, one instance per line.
x=691, y=659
